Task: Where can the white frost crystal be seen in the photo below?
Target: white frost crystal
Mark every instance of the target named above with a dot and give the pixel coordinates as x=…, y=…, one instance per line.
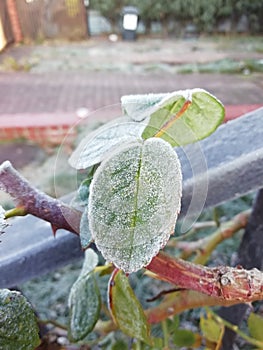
x=97, y=144
x=134, y=201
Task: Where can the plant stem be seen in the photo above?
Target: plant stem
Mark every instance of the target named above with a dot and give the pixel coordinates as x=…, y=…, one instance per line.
x=165, y=334
x=54, y=323
x=223, y=282
x=235, y=329
x=226, y=231
x=205, y=246
x=37, y=203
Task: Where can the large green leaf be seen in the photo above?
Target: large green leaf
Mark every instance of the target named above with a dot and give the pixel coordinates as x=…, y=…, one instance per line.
x=255, y=326
x=84, y=300
x=185, y=117
x=134, y=201
x=96, y=145
x=126, y=310
x=18, y=326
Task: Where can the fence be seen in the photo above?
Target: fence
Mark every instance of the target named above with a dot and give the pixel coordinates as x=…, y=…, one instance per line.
x=6, y=34
x=52, y=19
x=38, y=19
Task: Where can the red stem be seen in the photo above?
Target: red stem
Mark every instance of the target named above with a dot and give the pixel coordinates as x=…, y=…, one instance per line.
x=222, y=282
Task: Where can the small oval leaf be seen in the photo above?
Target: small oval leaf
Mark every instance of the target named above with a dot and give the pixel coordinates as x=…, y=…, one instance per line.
x=84, y=231
x=185, y=117
x=18, y=325
x=184, y=338
x=126, y=309
x=255, y=326
x=97, y=144
x=212, y=330
x=91, y=260
x=134, y=201
x=84, y=307
x=84, y=300
x=139, y=107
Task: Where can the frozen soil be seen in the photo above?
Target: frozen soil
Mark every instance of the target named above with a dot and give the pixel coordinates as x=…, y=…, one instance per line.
x=100, y=54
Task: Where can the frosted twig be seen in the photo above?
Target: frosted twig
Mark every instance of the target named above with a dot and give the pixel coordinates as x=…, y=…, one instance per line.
x=37, y=203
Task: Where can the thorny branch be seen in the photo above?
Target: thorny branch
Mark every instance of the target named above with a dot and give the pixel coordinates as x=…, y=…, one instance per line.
x=29, y=200
x=225, y=285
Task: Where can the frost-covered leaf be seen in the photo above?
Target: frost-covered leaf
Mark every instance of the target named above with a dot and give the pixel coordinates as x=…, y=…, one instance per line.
x=84, y=231
x=93, y=148
x=3, y=223
x=134, y=201
x=139, y=107
x=84, y=307
x=84, y=300
x=185, y=117
x=126, y=310
x=18, y=326
x=255, y=326
x=83, y=190
x=91, y=260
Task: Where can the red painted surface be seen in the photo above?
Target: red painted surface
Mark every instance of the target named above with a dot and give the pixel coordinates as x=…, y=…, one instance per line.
x=233, y=111
x=52, y=128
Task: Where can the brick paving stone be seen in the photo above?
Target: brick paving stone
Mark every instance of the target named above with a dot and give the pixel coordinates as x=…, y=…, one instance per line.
x=30, y=100
x=66, y=92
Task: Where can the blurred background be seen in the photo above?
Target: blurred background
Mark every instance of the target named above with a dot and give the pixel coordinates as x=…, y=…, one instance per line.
x=78, y=19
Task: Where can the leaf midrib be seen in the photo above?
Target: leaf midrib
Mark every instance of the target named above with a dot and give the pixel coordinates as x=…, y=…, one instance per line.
x=134, y=219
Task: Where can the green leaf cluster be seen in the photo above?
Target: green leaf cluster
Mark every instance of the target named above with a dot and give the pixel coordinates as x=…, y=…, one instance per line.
x=205, y=14
x=134, y=196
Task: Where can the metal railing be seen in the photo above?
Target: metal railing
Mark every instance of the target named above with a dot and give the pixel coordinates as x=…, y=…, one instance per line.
x=232, y=160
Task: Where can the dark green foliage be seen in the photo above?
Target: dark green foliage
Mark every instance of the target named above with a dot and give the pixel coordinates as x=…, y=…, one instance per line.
x=204, y=14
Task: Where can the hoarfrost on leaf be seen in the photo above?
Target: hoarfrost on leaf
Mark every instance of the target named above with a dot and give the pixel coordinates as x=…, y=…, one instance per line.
x=97, y=144
x=139, y=107
x=134, y=201
x=84, y=231
x=91, y=260
x=18, y=325
x=84, y=299
x=3, y=223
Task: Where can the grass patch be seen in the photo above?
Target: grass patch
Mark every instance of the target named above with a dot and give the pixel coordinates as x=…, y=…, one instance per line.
x=225, y=66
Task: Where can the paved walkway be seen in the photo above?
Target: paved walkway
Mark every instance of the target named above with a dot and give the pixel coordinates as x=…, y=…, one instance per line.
x=49, y=96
